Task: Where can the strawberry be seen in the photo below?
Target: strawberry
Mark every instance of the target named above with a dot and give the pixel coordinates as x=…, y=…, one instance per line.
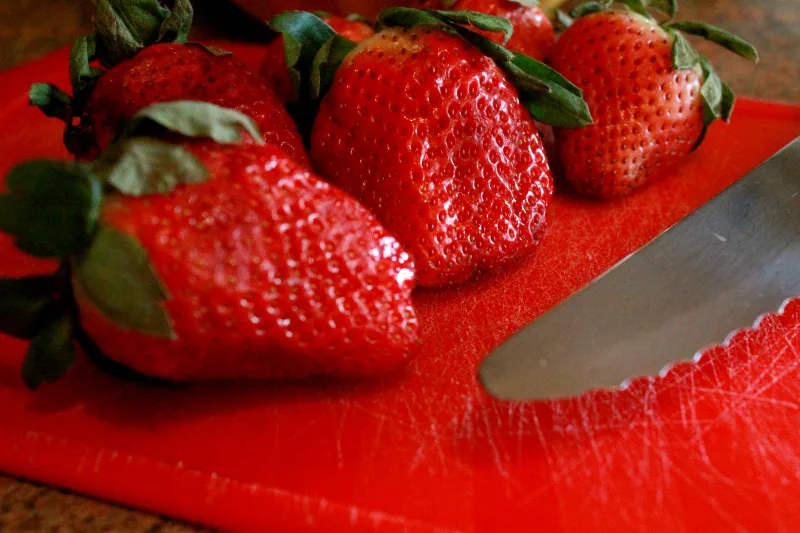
x=274, y=70
x=196, y=260
x=144, y=58
x=533, y=35
x=429, y=132
x=651, y=94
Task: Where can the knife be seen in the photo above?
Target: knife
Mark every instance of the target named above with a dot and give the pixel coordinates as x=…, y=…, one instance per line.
x=715, y=272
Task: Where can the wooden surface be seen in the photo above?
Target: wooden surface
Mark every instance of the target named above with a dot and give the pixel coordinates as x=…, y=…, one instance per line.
x=32, y=28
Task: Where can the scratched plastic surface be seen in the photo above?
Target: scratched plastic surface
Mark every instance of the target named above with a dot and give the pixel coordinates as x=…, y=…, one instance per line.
x=715, y=447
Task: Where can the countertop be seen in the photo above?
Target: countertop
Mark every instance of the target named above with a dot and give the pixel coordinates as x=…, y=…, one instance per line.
x=33, y=28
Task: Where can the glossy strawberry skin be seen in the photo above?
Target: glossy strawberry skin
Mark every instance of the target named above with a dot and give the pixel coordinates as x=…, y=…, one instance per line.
x=168, y=72
x=272, y=273
x=273, y=70
x=647, y=115
x=429, y=134
x=533, y=35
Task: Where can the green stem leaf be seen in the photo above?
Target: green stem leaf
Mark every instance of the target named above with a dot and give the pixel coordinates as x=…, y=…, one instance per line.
x=142, y=166
x=124, y=27
x=51, y=208
x=52, y=101
x=728, y=102
x=712, y=93
x=194, y=119
x=117, y=277
x=479, y=20
x=637, y=6
x=325, y=64
x=51, y=353
x=589, y=8
x=304, y=36
x=719, y=36
x=668, y=7
x=407, y=17
x=355, y=17
x=176, y=27
x=683, y=53
x=82, y=54
x=563, y=19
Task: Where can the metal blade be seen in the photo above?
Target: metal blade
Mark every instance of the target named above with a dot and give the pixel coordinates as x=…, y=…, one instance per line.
x=715, y=272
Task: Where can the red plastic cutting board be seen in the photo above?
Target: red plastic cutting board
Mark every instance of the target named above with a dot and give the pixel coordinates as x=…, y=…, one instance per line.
x=714, y=447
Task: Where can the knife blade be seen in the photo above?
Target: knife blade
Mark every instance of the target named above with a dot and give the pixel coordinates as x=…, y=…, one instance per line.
x=713, y=273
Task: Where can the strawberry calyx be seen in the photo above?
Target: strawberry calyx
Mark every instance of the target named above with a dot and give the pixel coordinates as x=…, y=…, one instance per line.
x=314, y=52
x=123, y=28
x=53, y=210
x=718, y=98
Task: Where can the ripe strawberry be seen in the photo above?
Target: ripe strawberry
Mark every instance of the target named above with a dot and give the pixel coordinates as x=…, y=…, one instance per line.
x=651, y=95
x=155, y=67
x=429, y=132
x=167, y=72
x=274, y=67
x=253, y=268
x=534, y=34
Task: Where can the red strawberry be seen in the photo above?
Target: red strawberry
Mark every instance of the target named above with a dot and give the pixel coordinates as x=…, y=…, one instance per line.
x=259, y=271
x=651, y=95
x=274, y=67
x=155, y=69
x=534, y=34
x=430, y=134
x=167, y=72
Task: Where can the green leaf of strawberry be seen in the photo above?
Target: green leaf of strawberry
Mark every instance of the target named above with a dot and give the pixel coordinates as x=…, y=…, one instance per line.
x=51, y=208
x=563, y=19
x=668, y=7
x=304, y=34
x=588, y=8
x=176, y=27
x=479, y=20
x=52, y=101
x=82, y=54
x=719, y=36
x=194, y=119
x=124, y=27
x=326, y=61
x=51, y=353
x=683, y=54
x=116, y=275
x=352, y=17
x=637, y=6
x=149, y=166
